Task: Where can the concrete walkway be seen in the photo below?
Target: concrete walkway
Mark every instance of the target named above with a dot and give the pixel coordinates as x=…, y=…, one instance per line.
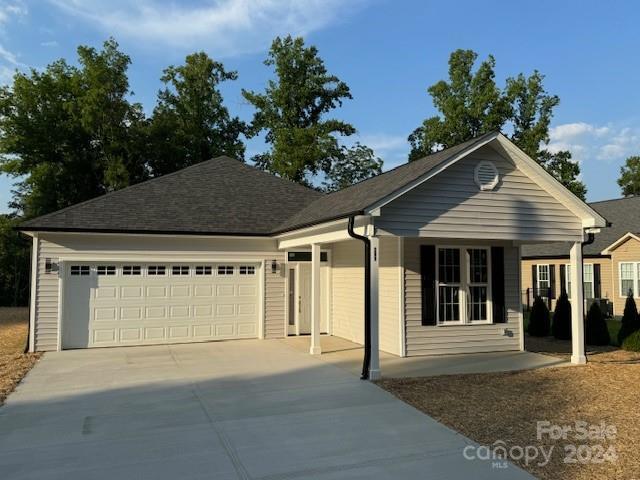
x=227, y=410
x=348, y=355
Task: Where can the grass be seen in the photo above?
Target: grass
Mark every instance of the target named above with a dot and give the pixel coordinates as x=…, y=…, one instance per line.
x=14, y=363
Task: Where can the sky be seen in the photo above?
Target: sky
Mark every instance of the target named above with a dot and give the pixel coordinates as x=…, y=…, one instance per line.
x=387, y=51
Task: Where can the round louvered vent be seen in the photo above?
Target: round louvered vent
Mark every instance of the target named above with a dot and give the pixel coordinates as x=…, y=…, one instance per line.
x=486, y=175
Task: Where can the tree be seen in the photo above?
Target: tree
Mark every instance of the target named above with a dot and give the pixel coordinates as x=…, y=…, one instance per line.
x=629, y=179
x=14, y=264
x=630, y=320
x=357, y=163
x=561, y=326
x=293, y=109
x=596, y=331
x=71, y=132
x=539, y=323
x=190, y=123
x=471, y=104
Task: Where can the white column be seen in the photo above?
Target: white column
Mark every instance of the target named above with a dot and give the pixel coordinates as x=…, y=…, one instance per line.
x=374, y=365
x=35, y=254
x=315, y=349
x=577, y=306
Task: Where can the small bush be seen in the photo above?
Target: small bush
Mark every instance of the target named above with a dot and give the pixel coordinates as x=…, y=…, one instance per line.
x=632, y=342
x=630, y=320
x=561, y=326
x=596, y=329
x=539, y=323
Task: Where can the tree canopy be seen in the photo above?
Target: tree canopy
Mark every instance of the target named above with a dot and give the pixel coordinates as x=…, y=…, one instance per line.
x=292, y=111
x=355, y=165
x=470, y=103
x=629, y=179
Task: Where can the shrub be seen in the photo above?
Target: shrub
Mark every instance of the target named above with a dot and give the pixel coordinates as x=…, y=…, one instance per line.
x=561, y=326
x=630, y=320
x=539, y=323
x=632, y=342
x=596, y=329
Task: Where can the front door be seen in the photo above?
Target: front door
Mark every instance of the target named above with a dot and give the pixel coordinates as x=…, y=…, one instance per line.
x=299, y=276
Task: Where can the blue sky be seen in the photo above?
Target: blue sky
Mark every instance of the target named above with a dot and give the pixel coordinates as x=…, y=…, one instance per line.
x=387, y=51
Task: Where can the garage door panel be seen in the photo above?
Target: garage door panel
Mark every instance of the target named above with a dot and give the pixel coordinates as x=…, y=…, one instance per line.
x=145, y=308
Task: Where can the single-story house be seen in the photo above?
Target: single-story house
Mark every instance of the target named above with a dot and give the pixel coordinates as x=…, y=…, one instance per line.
x=611, y=261
x=421, y=260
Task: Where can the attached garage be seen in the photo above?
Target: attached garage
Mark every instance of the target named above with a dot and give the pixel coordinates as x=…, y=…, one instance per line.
x=113, y=304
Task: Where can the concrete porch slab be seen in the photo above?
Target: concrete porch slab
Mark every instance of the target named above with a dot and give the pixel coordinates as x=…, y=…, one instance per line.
x=348, y=356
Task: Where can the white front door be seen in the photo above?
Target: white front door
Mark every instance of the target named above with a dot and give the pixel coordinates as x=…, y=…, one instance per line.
x=300, y=298
x=112, y=304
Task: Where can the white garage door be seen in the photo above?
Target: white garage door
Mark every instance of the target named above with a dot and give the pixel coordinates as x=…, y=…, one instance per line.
x=110, y=304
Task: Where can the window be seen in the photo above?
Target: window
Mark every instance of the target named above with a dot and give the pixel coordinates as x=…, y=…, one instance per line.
x=204, y=270
x=587, y=279
x=156, y=270
x=544, y=281
x=180, y=270
x=449, y=284
x=304, y=256
x=247, y=270
x=478, y=284
x=131, y=270
x=106, y=270
x=628, y=279
x=225, y=270
x=80, y=270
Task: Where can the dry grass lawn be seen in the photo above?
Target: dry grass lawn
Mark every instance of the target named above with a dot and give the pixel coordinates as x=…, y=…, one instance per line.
x=14, y=363
x=507, y=406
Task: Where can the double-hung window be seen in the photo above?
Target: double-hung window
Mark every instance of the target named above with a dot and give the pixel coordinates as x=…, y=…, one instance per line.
x=629, y=278
x=544, y=281
x=463, y=285
x=587, y=279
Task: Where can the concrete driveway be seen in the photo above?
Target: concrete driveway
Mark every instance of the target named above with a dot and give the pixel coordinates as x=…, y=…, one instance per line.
x=227, y=410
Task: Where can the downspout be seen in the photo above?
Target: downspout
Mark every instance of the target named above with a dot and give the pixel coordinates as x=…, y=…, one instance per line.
x=590, y=238
x=367, y=298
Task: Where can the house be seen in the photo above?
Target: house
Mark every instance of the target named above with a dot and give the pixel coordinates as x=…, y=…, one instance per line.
x=421, y=260
x=611, y=261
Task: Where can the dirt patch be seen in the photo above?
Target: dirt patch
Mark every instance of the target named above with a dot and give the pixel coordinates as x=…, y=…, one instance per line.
x=507, y=406
x=562, y=349
x=14, y=363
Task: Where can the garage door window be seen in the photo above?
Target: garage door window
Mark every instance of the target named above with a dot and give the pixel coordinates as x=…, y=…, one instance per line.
x=131, y=270
x=204, y=270
x=156, y=270
x=80, y=270
x=225, y=270
x=247, y=270
x=106, y=269
x=180, y=270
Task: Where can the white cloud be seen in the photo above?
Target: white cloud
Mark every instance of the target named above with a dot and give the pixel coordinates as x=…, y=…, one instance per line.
x=568, y=131
x=49, y=43
x=10, y=11
x=223, y=27
x=393, y=149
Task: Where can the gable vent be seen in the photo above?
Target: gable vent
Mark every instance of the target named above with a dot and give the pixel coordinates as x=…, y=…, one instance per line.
x=486, y=175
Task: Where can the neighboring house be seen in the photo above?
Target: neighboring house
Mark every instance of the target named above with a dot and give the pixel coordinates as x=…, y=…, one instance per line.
x=611, y=262
x=221, y=250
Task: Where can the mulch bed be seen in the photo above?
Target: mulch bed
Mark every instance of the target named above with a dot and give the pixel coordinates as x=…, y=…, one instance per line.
x=507, y=406
x=14, y=363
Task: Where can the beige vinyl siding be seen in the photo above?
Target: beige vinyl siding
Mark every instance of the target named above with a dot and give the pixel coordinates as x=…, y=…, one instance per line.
x=606, y=279
x=629, y=251
x=450, y=205
x=167, y=249
x=347, y=284
x=451, y=339
x=389, y=295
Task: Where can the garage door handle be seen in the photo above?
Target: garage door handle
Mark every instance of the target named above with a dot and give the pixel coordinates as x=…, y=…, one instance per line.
x=299, y=304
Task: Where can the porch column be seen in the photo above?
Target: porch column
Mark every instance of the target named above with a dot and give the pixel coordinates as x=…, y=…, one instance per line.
x=315, y=349
x=374, y=364
x=577, y=306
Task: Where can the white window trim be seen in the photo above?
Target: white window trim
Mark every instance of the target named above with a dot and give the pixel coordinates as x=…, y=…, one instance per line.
x=538, y=289
x=567, y=278
x=635, y=279
x=464, y=286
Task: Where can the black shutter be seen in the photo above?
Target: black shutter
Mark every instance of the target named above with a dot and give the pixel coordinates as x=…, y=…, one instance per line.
x=497, y=285
x=428, y=283
x=534, y=280
x=597, y=292
x=552, y=281
x=563, y=279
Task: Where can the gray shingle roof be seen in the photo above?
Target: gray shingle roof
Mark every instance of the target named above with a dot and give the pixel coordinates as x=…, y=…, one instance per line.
x=225, y=196
x=624, y=215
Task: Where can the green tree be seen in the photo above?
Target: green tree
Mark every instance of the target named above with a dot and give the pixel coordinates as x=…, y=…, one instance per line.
x=190, y=123
x=293, y=109
x=470, y=104
x=70, y=133
x=630, y=321
x=14, y=264
x=357, y=163
x=629, y=180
